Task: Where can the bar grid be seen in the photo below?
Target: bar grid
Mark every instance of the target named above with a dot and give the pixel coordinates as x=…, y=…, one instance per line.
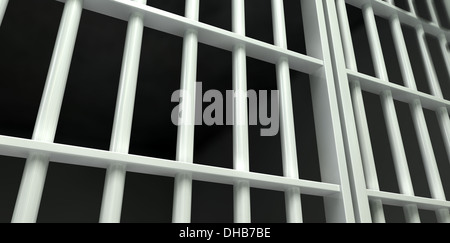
x=349, y=180
x=388, y=92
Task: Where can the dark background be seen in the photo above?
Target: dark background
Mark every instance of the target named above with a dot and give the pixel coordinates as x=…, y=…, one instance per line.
x=73, y=193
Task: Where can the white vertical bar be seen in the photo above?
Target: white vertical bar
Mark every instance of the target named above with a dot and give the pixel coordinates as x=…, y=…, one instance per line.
x=432, y=9
x=242, y=210
x=121, y=133
x=3, y=5
x=288, y=144
x=365, y=144
x=395, y=138
x=33, y=179
x=185, y=141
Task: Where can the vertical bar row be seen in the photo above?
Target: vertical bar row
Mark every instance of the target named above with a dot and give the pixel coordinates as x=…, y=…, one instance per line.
x=3, y=5
x=289, y=150
x=395, y=138
x=120, y=139
x=35, y=171
x=368, y=160
x=417, y=112
x=242, y=209
x=185, y=141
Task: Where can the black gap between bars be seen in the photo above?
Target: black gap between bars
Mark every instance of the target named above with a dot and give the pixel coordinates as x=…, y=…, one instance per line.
x=305, y=131
x=427, y=216
x=394, y=214
x=443, y=16
x=412, y=150
x=403, y=4
x=265, y=151
x=72, y=194
x=380, y=143
x=267, y=206
x=153, y=133
x=213, y=143
x=360, y=41
x=172, y=6
x=27, y=37
x=147, y=199
x=422, y=10
x=439, y=149
x=216, y=13
x=294, y=26
x=11, y=170
x=313, y=209
x=87, y=111
x=258, y=20
x=212, y=203
x=416, y=59
x=439, y=64
x=389, y=52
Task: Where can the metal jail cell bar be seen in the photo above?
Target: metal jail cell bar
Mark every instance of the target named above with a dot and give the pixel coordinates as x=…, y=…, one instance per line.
x=33, y=179
x=242, y=206
x=121, y=134
x=185, y=141
x=288, y=144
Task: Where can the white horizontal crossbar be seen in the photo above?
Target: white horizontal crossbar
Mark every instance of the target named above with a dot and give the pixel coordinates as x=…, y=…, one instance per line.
x=177, y=25
x=400, y=200
x=400, y=93
x=22, y=148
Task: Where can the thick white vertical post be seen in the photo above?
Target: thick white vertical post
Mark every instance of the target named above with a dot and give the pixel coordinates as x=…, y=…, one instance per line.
x=33, y=179
x=365, y=144
x=185, y=141
x=3, y=5
x=121, y=133
x=242, y=209
x=395, y=138
x=330, y=142
x=288, y=144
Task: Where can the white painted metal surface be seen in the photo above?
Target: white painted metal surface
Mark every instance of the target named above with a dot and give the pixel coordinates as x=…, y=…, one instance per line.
x=185, y=142
x=33, y=179
x=121, y=134
x=242, y=207
x=349, y=184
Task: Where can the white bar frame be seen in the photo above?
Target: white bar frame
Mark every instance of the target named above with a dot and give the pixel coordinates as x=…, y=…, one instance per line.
x=335, y=187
